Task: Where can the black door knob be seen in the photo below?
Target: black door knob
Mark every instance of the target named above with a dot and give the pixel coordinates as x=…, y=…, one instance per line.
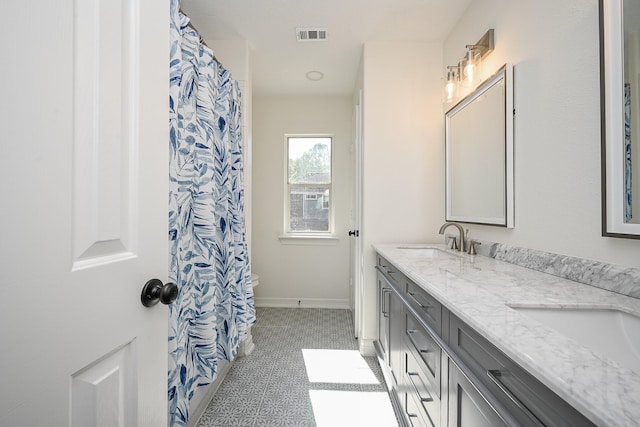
x=354, y=233
x=154, y=291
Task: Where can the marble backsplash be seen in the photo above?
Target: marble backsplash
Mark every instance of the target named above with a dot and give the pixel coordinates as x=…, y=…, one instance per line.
x=615, y=278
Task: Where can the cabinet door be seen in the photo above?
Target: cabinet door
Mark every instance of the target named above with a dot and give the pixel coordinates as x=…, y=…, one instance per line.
x=383, y=318
x=396, y=332
x=467, y=407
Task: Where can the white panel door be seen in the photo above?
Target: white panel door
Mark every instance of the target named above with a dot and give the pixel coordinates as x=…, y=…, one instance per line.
x=84, y=120
x=357, y=260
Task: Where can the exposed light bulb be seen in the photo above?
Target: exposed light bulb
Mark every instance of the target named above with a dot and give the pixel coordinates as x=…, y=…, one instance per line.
x=469, y=72
x=450, y=89
x=451, y=85
x=471, y=68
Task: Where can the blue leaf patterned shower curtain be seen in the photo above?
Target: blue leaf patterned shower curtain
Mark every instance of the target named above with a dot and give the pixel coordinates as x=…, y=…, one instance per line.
x=207, y=237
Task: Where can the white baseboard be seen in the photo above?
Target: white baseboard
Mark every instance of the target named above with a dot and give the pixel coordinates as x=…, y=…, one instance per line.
x=366, y=347
x=302, y=302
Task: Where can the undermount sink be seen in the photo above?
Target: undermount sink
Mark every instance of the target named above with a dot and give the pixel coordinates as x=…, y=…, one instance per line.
x=609, y=332
x=428, y=252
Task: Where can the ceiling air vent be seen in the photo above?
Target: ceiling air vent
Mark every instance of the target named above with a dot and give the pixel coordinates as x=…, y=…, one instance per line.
x=311, y=34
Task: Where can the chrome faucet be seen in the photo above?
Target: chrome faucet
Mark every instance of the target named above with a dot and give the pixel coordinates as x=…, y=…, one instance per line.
x=460, y=229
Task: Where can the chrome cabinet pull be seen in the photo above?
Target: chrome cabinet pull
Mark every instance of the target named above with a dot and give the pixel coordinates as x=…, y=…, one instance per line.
x=495, y=375
x=385, y=302
x=410, y=333
x=421, y=304
x=387, y=269
x=411, y=416
x=410, y=375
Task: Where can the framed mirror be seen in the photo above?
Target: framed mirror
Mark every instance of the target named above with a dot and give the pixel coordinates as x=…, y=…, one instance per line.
x=620, y=115
x=479, y=154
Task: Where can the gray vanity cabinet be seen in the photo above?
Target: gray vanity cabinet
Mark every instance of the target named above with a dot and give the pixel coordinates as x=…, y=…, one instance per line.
x=390, y=321
x=441, y=372
x=529, y=401
x=409, y=354
x=422, y=374
x=467, y=406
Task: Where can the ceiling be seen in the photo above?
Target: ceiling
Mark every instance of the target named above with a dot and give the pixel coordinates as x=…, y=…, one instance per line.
x=280, y=62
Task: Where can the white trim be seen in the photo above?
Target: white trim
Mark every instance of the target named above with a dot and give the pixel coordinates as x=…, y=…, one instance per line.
x=302, y=302
x=358, y=261
x=366, y=347
x=309, y=239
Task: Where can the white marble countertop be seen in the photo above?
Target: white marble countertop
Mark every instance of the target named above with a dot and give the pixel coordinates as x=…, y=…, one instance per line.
x=482, y=291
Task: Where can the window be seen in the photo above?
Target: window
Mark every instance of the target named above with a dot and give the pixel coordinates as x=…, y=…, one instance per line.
x=308, y=189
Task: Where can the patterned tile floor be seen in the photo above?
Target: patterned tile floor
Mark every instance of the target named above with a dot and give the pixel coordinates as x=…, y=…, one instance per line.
x=330, y=386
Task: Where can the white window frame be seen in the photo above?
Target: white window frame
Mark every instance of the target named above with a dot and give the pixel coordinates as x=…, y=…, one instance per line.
x=307, y=237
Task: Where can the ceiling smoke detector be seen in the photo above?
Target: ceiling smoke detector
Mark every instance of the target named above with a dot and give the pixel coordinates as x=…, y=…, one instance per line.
x=315, y=76
x=311, y=34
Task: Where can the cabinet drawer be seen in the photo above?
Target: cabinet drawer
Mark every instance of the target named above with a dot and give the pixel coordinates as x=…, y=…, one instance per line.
x=467, y=406
x=425, y=350
x=415, y=415
x=388, y=269
x=423, y=397
x=427, y=306
x=526, y=398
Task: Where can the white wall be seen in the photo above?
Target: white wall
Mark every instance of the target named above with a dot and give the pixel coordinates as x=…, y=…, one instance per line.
x=317, y=274
x=403, y=154
x=554, y=48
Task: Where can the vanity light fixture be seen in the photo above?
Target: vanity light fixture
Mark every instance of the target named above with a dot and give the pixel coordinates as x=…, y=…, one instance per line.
x=451, y=84
x=485, y=45
x=468, y=71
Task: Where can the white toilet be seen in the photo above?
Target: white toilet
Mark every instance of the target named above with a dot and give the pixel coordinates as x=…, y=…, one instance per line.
x=247, y=345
